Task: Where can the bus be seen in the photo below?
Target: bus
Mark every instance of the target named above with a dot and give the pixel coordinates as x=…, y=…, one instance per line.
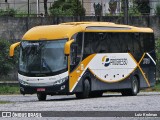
x=86, y=59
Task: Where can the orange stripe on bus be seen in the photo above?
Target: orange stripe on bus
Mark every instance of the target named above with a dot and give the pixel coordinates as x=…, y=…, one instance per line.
x=74, y=76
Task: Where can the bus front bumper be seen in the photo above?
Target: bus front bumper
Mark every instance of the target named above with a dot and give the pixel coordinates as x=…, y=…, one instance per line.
x=50, y=90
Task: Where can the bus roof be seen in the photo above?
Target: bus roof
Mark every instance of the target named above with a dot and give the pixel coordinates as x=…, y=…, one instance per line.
x=66, y=30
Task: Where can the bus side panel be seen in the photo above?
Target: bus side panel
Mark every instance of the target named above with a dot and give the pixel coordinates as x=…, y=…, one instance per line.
x=98, y=85
x=107, y=75
x=148, y=69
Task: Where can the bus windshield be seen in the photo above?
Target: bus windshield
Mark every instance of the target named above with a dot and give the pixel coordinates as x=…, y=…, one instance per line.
x=41, y=57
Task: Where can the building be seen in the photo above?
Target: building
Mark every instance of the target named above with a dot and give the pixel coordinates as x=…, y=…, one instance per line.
x=88, y=5
x=22, y=6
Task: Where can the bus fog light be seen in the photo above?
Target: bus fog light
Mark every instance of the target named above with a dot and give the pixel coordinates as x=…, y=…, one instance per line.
x=62, y=87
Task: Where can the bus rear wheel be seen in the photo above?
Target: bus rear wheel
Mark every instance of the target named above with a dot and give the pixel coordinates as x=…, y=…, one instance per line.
x=86, y=90
x=41, y=96
x=134, y=88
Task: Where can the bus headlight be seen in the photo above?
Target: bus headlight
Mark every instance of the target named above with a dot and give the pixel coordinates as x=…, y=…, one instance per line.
x=23, y=82
x=60, y=81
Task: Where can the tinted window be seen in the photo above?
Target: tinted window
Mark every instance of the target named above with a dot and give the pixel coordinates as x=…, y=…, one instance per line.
x=148, y=40
x=107, y=43
x=76, y=50
x=134, y=43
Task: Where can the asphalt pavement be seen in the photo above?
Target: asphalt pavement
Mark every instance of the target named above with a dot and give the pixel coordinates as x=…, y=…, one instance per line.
x=144, y=101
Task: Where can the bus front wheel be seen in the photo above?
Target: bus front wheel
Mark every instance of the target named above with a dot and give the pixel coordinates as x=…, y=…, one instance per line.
x=41, y=96
x=134, y=88
x=86, y=90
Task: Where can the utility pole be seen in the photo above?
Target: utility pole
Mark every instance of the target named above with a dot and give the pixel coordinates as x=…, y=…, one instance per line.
x=125, y=12
x=37, y=8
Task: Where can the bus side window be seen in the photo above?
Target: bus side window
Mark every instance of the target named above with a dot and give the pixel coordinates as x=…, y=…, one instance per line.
x=148, y=40
x=137, y=46
x=123, y=42
x=73, y=54
x=100, y=42
x=88, y=38
x=130, y=41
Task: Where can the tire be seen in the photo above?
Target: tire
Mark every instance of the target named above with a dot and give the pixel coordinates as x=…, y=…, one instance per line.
x=86, y=90
x=95, y=94
x=41, y=96
x=134, y=88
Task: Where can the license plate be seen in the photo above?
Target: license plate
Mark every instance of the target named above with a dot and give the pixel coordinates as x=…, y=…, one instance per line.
x=41, y=89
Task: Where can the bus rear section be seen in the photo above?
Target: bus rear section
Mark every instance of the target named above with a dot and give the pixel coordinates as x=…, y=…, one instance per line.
x=114, y=61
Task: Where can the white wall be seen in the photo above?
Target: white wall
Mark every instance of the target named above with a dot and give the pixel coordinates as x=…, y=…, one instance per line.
x=22, y=5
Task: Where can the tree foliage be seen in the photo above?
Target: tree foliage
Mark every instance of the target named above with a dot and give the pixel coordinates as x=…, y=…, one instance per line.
x=112, y=7
x=6, y=63
x=143, y=6
x=97, y=9
x=132, y=9
x=158, y=56
x=67, y=8
x=158, y=9
x=7, y=12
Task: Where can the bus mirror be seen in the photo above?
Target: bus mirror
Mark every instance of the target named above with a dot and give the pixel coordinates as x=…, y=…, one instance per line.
x=67, y=47
x=12, y=47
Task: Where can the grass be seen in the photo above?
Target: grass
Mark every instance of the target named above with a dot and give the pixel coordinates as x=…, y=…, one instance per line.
x=4, y=102
x=156, y=88
x=6, y=89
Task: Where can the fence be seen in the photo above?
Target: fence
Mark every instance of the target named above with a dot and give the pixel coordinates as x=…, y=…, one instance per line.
x=107, y=7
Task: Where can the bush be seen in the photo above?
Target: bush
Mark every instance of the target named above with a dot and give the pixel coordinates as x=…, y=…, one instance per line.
x=158, y=9
x=8, y=12
x=158, y=57
x=60, y=12
x=6, y=63
x=67, y=8
x=133, y=11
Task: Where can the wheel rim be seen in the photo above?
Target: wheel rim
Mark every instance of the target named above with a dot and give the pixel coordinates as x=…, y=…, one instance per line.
x=135, y=86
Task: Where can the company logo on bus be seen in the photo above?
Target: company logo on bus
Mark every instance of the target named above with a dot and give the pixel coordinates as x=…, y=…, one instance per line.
x=105, y=61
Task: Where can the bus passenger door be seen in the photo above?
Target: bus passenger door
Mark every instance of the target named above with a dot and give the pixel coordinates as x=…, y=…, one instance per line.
x=74, y=62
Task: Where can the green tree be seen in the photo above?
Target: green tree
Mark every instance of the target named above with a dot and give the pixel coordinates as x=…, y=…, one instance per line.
x=132, y=9
x=97, y=9
x=157, y=43
x=6, y=63
x=112, y=6
x=143, y=6
x=7, y=12
x=67, y=8
x=158, y=9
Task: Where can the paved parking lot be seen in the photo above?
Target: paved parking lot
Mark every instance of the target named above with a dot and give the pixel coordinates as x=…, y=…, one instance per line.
x=145, y=101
